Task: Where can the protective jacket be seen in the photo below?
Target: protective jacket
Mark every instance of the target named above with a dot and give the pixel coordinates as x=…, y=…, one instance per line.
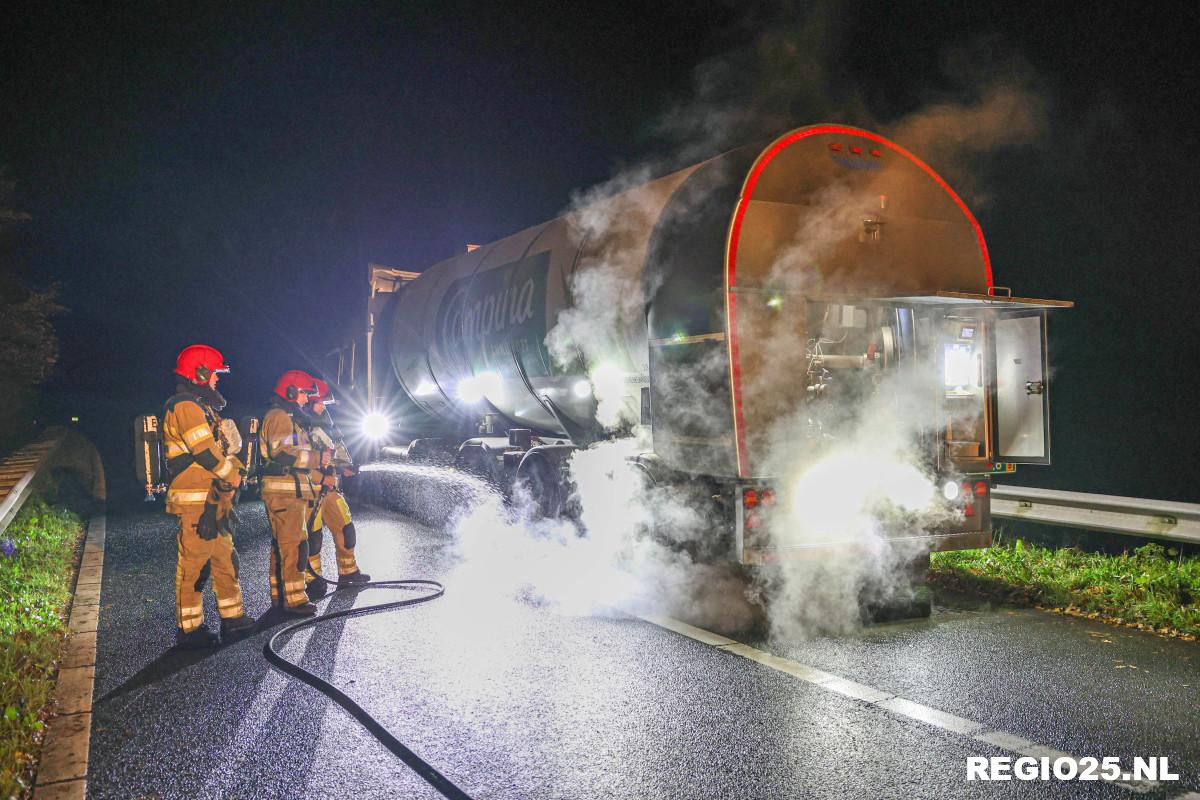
x=195, y=456
x=289, y=457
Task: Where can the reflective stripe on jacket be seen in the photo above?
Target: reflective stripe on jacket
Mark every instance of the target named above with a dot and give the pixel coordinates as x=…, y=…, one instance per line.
x=288, y=456
x=192, y=450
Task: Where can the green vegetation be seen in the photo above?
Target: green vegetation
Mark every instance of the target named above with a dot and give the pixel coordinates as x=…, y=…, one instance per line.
x=1151, y=588
x=35, y=587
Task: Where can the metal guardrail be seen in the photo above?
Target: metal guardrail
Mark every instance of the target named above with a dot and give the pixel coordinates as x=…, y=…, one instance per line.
x=19, y=474
x=1131, y=516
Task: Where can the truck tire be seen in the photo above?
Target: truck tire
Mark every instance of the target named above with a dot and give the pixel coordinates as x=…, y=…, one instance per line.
x=540, y=483
x=478, y=461
x=916, y=603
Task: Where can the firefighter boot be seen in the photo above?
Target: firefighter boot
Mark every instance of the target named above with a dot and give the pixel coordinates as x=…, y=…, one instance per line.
x=316, y=588
x=236, y=628
x=354, y=578
x=302, y=610
x=200, y=639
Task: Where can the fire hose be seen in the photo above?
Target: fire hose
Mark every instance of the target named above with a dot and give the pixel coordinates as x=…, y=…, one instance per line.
x=398, y=749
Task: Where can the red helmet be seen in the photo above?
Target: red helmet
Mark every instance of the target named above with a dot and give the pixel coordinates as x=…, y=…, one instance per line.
x=324, y=395
x=199, y=361
x=293, y=382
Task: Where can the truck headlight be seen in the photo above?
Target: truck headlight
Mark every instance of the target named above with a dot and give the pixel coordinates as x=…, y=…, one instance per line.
x=375, y=425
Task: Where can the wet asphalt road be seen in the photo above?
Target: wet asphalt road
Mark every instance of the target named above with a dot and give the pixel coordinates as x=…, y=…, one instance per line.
x=512, y=700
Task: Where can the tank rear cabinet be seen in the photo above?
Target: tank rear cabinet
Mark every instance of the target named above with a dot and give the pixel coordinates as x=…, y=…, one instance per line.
x=995, y=386
x=1021, y=418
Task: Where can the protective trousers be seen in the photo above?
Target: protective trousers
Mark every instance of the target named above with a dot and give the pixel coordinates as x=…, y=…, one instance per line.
x=198, y=559
x=334, y=513
x=289, y=550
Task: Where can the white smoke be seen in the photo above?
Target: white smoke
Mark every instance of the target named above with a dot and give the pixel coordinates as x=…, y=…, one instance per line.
x=953, y=136
x=626, y=553
x=852, y=509
x=603, y=328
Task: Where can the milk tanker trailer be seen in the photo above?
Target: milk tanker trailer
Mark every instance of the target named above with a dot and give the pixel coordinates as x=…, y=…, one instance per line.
x=797, y=275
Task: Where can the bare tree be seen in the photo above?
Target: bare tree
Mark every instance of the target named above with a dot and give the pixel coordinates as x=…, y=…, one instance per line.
x=28, y=343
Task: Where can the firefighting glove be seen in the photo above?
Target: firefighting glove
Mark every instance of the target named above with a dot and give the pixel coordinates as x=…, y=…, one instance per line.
x=329, y=482
x=226, y=522
x=208, y=528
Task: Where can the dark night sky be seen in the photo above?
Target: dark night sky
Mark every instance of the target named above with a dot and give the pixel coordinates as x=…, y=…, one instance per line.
x=210, y=171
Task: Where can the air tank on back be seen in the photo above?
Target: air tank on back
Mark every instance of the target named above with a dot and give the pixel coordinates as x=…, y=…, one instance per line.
x=724, y=254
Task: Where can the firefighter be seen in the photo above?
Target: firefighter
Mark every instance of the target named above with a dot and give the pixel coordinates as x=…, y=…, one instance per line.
x=288, y=491
x=331, y=509
x=205, y=475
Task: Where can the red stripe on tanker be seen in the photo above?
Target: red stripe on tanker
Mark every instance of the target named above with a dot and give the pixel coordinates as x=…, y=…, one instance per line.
x=735, y=230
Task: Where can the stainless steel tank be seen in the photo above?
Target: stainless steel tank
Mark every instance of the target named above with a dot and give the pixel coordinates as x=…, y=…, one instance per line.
x=725, y=249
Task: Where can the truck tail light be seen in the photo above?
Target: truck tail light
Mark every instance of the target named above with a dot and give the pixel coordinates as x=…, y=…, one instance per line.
x=981, y=488
x=767, y=497
x=751, y=522
x=750, y=498
x=969, y=509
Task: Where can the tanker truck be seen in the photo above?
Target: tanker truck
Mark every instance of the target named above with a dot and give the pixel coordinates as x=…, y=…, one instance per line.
x=766, y=282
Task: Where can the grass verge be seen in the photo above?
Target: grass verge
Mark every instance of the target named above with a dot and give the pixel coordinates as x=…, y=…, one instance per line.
x=37, y=555
x=1150, y=588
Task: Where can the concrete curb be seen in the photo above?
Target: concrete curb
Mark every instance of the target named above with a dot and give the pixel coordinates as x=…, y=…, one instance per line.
x=62, y=771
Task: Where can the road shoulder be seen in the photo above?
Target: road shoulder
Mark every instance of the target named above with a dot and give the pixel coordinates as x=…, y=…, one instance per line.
x=62, y=771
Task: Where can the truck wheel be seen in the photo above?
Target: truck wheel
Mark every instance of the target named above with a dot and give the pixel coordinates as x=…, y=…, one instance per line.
x=543, y=488
x=478, y=462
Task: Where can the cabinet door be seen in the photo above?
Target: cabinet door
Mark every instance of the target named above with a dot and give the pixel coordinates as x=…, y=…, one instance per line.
x=1022, y=389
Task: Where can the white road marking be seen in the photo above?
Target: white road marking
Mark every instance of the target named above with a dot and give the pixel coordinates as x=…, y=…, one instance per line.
x=892, y=703
x=931, y=716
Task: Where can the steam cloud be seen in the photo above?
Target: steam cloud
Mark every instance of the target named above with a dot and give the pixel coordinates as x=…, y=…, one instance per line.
x=604, y=326
x=627, y=553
